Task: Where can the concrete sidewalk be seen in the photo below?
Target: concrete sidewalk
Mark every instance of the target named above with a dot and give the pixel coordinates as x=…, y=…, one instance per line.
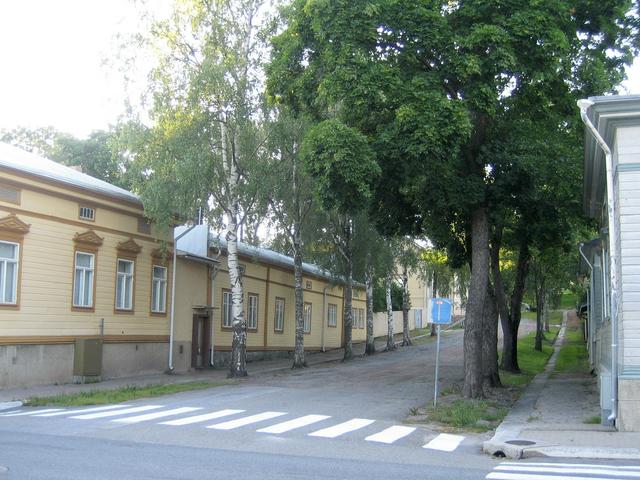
x=549, y=419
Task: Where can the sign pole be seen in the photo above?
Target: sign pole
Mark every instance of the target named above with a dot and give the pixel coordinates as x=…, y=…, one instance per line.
x=435, y=388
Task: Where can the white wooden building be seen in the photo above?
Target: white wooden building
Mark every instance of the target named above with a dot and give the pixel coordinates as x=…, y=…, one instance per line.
x=612, y=198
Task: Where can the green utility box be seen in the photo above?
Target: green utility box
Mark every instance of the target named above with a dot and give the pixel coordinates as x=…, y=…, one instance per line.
x=87, y=360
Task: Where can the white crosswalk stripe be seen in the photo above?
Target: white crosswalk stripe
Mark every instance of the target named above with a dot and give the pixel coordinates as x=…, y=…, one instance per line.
x=155, y=415
x=293, y=424
x=126, y=411
x=391, y=434
x=202, y=418
x=561, y=471
x=81, y=410
x=34, y=412
x=342, y=428
x=128, y=415
x=445, y=442
x=241, y=422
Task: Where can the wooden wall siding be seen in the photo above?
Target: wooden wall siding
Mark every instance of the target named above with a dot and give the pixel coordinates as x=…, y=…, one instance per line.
x=47, y=268
x=627, y=152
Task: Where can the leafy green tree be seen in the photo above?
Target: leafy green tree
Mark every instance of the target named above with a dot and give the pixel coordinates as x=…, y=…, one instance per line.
x=342, y=165
x=433, y=85
x=98, y=155
x=206, y=143
x=289, y=194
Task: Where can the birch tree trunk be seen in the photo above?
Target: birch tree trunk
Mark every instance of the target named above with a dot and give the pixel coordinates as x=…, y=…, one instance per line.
x=298, y=354
x=239, y=327
x=370, y=348
x=406, y=340
x=477, y=294
x=391, y=344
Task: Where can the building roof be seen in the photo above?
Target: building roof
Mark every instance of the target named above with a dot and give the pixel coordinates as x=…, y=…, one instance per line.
x=274, y=258
x=15, y=158
x=607, y=113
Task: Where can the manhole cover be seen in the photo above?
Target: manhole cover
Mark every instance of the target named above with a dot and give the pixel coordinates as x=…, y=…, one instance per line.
x=520, y=442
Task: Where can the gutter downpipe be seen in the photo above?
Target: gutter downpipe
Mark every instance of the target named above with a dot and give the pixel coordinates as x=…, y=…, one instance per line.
x=173, y=293
x=324, y=315
x=614, y=261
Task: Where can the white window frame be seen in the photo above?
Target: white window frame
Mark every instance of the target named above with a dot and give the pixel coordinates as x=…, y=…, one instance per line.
x=227, y=309
x=4, y=261
x=278, y=323
x=307, y=312
x=82, y=214
x=84, y=288
x=125, y=280
x=252, y=311
x=159, y=290
x=332, y=315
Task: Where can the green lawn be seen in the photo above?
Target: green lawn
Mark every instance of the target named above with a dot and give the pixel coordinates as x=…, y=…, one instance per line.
x=482, y=415
x=124, y=394
x=530, y=360
x=573, y=356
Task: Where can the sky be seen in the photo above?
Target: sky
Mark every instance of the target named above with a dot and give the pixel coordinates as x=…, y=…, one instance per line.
x=52, y=63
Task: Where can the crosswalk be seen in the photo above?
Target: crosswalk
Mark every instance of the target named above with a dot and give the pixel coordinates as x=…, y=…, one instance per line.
x=265, y=422
x=561, y=471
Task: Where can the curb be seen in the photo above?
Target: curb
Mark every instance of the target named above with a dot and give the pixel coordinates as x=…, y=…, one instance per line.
x=10, y=405
x=506, y=441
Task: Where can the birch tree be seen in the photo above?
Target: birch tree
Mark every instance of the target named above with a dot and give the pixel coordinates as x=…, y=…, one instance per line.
x=289, y=194
x=206, y=136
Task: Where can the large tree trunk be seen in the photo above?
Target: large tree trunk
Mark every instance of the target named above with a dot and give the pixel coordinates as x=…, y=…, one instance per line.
x=490, y=374
x=510, y=344
x=406, y=340
x=434, y=294
x=391, y=344
x=539, y=311
x=298, y=353
x=370, y=348
x=477, y=294
x=348, y=309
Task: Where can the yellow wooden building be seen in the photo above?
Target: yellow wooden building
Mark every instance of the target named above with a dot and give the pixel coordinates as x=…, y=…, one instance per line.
x=86, y=286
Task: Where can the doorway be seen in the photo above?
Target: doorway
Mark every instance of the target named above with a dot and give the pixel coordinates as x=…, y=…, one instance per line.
x=201, y=341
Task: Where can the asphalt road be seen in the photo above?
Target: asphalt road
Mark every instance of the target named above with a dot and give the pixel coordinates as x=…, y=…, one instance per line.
x=336, y=420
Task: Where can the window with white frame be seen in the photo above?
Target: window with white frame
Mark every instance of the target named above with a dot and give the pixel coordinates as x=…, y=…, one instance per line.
x=83, y=280
x=278, y=323
x=227, y=315
x=87, y=213
x=9, y=254
x=361, y=318
x=252, y=312
x=307, y=318
x=159, y=289
x=124, y=284
x=332, y=315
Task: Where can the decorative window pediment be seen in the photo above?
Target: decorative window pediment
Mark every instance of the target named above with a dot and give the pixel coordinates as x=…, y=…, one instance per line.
x=129, y=247
x=13, y=224
x=88, y=238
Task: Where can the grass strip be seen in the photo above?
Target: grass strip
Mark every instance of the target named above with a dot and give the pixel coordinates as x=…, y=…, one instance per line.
x=118, y=395
x=573, y=356
x=483, y=415
x=476, y=415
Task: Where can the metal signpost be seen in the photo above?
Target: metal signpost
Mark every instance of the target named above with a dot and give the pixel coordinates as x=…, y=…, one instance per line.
x=440, y=315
